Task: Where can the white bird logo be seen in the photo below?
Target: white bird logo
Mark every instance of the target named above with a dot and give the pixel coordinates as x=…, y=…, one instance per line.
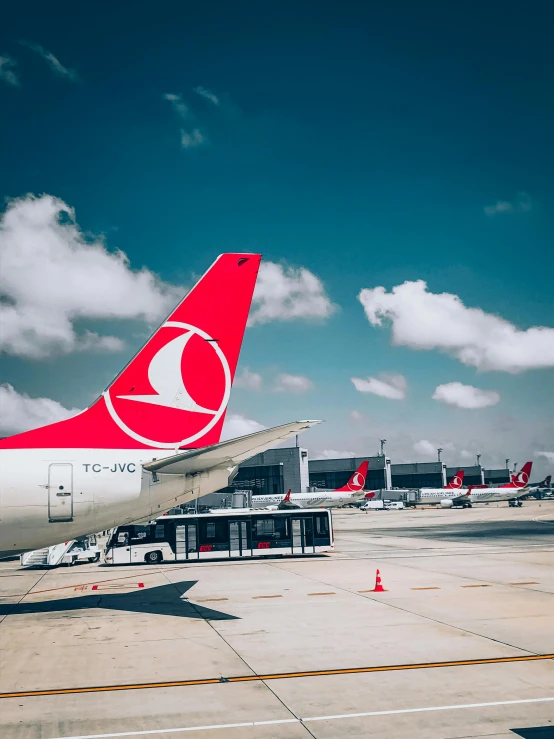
x=164, y=374
x=358, y=480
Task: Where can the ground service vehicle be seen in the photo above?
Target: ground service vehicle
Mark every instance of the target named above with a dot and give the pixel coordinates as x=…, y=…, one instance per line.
x=84, y=549
x=236, y=534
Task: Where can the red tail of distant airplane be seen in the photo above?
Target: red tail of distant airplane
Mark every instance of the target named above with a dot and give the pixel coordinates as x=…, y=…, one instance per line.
x=521, y=478
x=286, y=499
x=457, y=481
x=357, y=481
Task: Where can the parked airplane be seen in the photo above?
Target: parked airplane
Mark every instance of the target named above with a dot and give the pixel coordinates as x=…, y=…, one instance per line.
x=152, y=438
x=452, y=495
x=543, y=486
x=349, y=493
x=512, y=491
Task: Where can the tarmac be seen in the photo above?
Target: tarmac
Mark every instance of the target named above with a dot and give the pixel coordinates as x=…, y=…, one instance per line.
x=460, y=644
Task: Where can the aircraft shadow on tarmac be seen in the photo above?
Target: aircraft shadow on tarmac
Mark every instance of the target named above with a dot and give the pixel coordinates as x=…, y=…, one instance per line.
x=164, y=600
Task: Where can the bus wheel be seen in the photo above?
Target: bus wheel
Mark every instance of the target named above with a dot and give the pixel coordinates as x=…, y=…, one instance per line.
x=153, y=558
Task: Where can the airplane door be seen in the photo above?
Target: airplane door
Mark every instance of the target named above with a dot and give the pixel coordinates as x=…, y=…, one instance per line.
x=238, y=538
x=60, y=492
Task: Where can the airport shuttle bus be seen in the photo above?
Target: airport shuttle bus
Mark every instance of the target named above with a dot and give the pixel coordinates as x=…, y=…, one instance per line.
x=234, y=534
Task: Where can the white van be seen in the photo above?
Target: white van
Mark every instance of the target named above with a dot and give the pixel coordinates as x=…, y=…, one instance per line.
x=394, y=505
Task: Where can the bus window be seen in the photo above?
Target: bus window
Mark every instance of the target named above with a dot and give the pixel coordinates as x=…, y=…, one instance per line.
x=214, y=534
x=122, y=539
x=265, y=527
x=159, y=531
x=140, y=534
x=321, y=526
x=277, y=527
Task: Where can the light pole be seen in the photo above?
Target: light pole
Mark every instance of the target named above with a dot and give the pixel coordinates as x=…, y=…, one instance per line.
x=439, y=450
x=515, y=467
x=507, y=464
x=478, y=460
x=383, y=442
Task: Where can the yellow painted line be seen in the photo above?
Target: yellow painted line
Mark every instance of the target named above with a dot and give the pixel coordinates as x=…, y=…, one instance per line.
x=434, y=588
x=254, y=597
x=207, y=600
x=276, y=676
x=331, y=593
x=476, y=586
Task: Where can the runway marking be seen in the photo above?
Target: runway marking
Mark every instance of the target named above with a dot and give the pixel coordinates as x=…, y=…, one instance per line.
x=531, y=582
x=476, y=586
x=116, y=586
x=433, y=588
x=255, y=597
x=330, y=593
x=276, y=676
x=207, y=600
x=339, y=716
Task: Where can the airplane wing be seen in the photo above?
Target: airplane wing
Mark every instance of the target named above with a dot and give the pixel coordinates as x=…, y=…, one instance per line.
x=226, y=453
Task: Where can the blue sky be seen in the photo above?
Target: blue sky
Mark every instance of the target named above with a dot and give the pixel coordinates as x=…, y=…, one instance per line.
x=369, y=145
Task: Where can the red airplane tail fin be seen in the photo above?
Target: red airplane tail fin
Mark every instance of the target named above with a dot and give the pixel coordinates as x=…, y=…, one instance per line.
x=286, y=499
x=357, y=481
x=174, y=392
x=521, y=478
x=457, y=481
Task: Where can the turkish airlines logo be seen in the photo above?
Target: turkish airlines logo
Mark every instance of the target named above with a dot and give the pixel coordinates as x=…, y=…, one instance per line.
x=174, y=391
x=521, y=479
x=357, y=482
x=456, y=482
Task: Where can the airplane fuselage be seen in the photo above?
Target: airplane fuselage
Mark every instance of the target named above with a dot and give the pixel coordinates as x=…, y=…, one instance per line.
x=52, y=495
x=433, y=496
x=321, y=498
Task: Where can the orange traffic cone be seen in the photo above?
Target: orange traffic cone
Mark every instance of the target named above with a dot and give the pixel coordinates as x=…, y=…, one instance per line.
x=378, y=585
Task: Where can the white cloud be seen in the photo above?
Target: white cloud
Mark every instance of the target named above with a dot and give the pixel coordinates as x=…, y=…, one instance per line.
x=430, y=448
x=426, y=448
x=192, y=139
x=207, y=94
x=424, y=320
x=357, y=416
x=465, y=454
x=7, y=74
x=292, y=384
x=333, y=454
x=53, y=62
x=465, y=396
x=21, y=413
x=176, y=100
x=51, y=276
x=238, y=425
x=248, y=380
x=287, y=293
x=390, y=385
x=521, y=204
x=549, y=456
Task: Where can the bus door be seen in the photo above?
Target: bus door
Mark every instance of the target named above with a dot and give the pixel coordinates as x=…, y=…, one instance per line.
x=238, y=539
x=186, y=540
x=302, y=536
x=121, y=548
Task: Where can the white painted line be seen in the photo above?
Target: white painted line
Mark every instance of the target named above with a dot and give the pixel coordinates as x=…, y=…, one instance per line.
x=305, y=720
x=430, y=708
x=185, y=728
